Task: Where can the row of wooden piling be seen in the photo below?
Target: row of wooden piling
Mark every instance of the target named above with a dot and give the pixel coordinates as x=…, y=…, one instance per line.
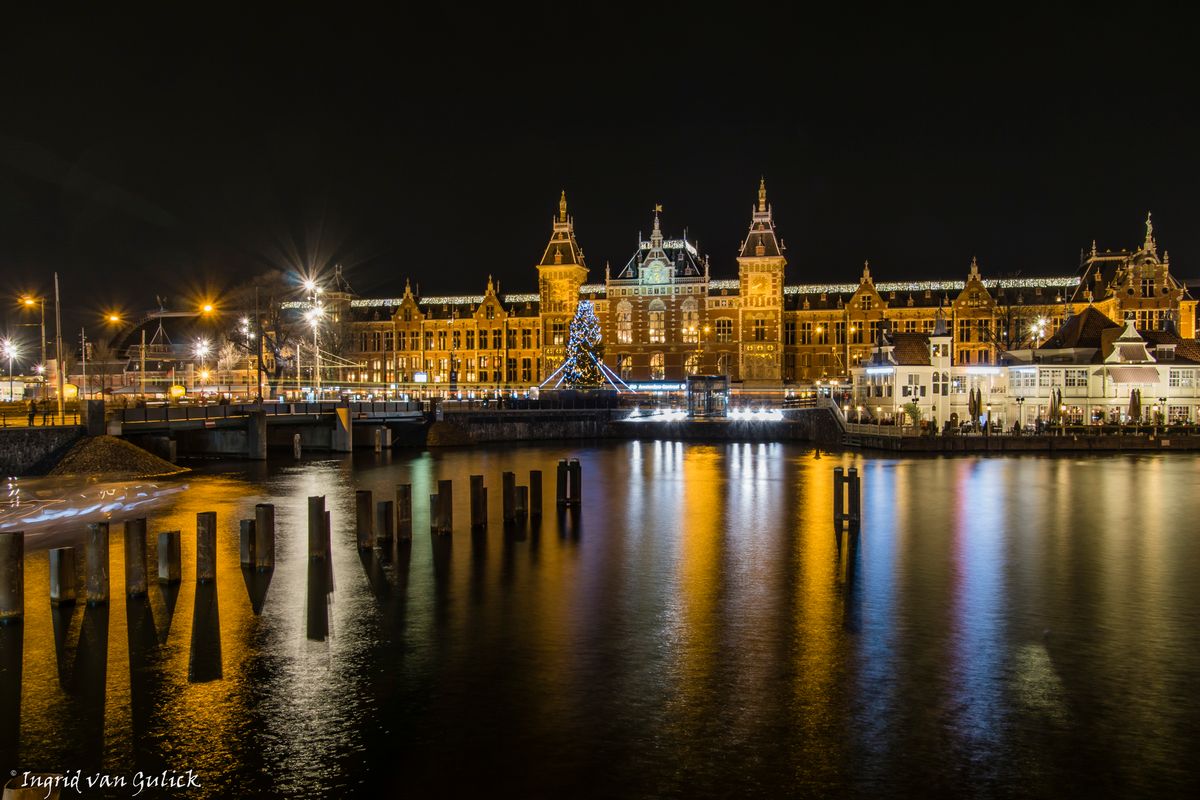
x=377, y=524
x=257, y=551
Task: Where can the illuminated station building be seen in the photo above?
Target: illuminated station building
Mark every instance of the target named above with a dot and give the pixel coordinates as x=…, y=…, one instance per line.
x=664, y=316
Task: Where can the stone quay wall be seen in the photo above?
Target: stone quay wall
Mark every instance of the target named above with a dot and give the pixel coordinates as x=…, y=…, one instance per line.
x=34, y=451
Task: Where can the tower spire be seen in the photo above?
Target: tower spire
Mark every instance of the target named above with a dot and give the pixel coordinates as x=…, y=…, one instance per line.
x=562, y=207
x=762, y=194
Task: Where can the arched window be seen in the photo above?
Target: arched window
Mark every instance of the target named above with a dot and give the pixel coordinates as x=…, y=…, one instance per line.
x=624, y=322
x=693, y=364
x=658, y=369
x=658, y=322
x=625, y=365
x=691, y=321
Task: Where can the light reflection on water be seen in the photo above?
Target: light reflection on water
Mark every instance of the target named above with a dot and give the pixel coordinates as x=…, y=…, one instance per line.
x=1005, y=626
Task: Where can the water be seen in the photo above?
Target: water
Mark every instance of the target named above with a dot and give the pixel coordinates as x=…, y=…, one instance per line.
x=1006, y=627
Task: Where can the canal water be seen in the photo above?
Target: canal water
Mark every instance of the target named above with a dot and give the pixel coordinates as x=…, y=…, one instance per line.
x=1004, y=627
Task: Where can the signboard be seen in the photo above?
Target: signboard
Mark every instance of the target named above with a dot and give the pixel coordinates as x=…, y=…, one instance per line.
x=421, y=377
x=176, y=392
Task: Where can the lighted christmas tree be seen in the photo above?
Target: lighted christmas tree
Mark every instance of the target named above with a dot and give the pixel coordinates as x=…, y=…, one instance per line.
x=585, y=352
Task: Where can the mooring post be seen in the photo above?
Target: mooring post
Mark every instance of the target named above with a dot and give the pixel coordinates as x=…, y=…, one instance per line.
x=135, y=557
x=522, y=504
x=379, y=440
x=535, y=492
x=508, y=491
x=446, y=506
x=404, y=511
x=478, y=518
x=246, y=542
x=316, y=527
x=385, y=522
x=97, y=563
x=561, y=490
x=264, y=536
x=838, y=507
x=62, y=576
x=295, y=445
x=170, y=557
x=854, y=490
x=576, y=471
x=363, y=509
x=12, y=576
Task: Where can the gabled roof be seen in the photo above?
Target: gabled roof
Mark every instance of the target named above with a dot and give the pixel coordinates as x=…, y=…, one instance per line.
x=1081, y=330
x=761, y=241
x=677, y=254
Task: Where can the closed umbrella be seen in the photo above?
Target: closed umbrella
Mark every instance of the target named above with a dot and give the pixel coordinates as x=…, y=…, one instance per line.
x=1135, y=404
x=1054, y=412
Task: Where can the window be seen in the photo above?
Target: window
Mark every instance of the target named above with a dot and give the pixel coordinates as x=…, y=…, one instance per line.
x=489, y=312
x=510, y=374
x=760, y=330
x=625, y=365
x=789, y=332
x=866, y=302
x=822, y=333
x=526, y=370
x=839, y=333
x=407, y=315
x=558, y=331
x=658, y=322
x=441, y=340
x=414, y=340
x=724, y=330
x=497, y=341
x=965, y=327
x=856, y=333
x=691, y=321
x=510, y=339
x=456, y=340
x=805, y=332
x=428, y=340
x=1181, y=378
x=658, y=369
x=692, y=365
x=526, y=338
x=470, y=340
x=1147, y=287
x=1075, y=377
x=624, y=322
x=388, y=339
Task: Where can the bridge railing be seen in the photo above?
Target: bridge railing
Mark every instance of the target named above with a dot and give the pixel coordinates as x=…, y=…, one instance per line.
x=215, y=411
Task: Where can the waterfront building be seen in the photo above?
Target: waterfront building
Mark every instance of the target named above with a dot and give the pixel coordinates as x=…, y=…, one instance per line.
x=666, y=314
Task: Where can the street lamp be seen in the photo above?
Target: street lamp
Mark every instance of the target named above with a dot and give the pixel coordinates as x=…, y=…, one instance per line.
x=1021, y=413
x=201, y=350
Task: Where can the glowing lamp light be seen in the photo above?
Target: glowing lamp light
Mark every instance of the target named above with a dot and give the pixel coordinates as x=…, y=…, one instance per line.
x=207, y=308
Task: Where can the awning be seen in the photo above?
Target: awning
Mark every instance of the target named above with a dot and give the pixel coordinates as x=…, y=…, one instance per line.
x=1130, y=374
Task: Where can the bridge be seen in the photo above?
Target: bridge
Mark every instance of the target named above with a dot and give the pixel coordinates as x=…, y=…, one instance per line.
x=249, y=429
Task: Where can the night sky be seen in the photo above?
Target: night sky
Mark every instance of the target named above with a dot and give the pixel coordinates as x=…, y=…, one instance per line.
x=174, y=155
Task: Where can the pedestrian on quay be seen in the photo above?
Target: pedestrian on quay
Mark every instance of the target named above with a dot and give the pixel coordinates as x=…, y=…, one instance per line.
x=32, y=412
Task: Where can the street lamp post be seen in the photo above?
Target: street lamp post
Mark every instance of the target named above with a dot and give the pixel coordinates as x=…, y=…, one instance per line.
x=29, y=302
x=1021, y=413
x=10, y=352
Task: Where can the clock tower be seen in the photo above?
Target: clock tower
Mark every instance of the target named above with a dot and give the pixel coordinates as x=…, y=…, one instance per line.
x=560, y=274
x=760, y=275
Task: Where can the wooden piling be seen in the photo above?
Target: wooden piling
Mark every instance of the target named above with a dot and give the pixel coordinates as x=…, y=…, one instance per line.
x=135, y=557
x=170, y=557
x=446, y=506
x=575, y=471
x=385, y=522
x=12, y=577
x=246, y=542
x=509, y=495
x=62, y=576
x=854, y=492
x=535, y=492
x=97, y=563
x=838, y=500
x=404, y=511
x=522, y=504
x=316, y=527
x=206, y=546
x=264, y=536
x=379, y=440
x=295, y=445
x=364, y=523
x=478, y=512
x=561, y=488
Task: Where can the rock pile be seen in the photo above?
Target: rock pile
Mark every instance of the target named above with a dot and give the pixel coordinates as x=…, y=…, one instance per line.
x=110, y=456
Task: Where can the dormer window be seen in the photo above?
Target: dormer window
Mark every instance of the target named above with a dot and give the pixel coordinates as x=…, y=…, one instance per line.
x=1165, y=352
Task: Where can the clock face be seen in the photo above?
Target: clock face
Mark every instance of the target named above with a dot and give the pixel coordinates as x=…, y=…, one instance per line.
x=760, y=284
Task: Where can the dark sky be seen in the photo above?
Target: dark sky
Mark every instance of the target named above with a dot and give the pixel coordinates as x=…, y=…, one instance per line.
x=165, y=154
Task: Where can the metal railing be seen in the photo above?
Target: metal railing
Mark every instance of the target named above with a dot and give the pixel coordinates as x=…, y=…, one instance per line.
x=39, y=419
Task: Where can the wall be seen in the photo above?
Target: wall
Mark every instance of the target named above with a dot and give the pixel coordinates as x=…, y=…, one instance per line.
x=34, y=451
